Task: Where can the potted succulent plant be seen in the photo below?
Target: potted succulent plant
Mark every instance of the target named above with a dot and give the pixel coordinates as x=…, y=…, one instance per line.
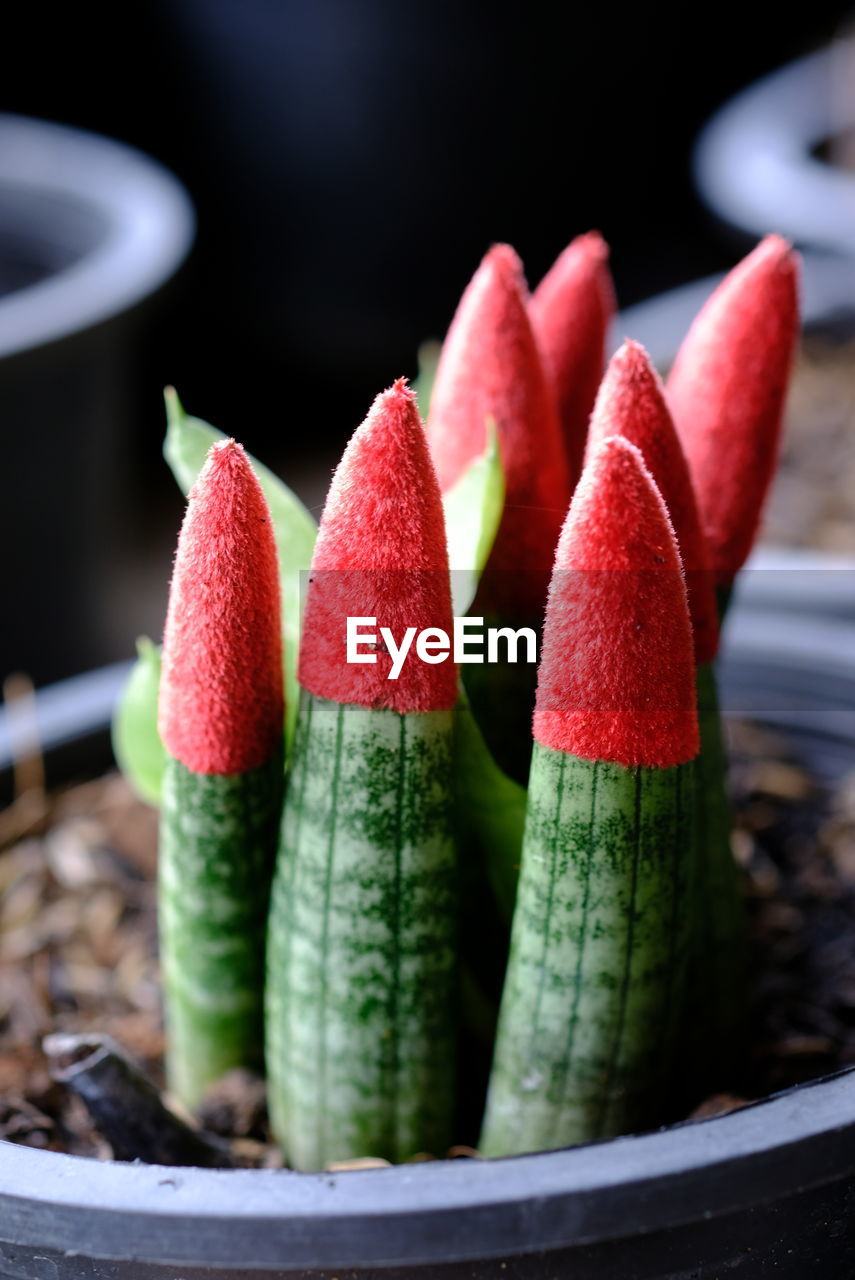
x=626, y=925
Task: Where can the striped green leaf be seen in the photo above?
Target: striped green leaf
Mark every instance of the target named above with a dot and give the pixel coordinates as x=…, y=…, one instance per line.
x=217, y=845
x=361, y=950
x=596, y=974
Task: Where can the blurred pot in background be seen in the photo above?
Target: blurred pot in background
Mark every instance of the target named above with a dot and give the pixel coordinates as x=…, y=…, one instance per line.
x=353, y=162
x=90, y=231
x=780, y=153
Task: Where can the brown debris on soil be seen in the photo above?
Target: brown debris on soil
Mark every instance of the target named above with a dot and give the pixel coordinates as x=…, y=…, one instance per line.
x=812, y=503
x=796, y=844
x=77, y=947
x=78, y=955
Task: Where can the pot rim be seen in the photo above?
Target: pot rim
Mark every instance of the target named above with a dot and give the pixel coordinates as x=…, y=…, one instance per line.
x=148, y=219
x=754, y=161
x=437, y=1211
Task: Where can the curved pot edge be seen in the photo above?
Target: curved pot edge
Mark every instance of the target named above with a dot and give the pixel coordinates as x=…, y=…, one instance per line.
x=474, y=1208
x=150, y=227
x=754, y=163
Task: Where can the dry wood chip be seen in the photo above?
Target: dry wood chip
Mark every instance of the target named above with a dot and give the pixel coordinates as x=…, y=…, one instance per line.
x=72, y=849
x=360, y=1162
x=780, y=780
x=762, y=876
x=23, y=1123
x=235, y=1105
x=803, y=1046
x=26, y=859
x=719, y=1104
x=21, y=902
x=742, y=846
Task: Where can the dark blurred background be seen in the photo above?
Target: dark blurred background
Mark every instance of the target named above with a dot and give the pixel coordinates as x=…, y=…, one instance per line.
x=351, y=160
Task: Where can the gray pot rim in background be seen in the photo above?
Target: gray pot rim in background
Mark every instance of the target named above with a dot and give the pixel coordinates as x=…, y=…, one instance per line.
x=795, y=1143
x=754, y=161
x=145, y=228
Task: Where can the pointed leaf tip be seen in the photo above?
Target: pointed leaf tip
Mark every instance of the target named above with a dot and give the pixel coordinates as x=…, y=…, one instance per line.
x=571, y=311
x=186, y=447
x=504, y=260
x=490, y=368
x=593, y=245
x=381, y=553
x=727, y=392
x=631, y=403
x=616, y=678
x=401, y=390
x=221, y=700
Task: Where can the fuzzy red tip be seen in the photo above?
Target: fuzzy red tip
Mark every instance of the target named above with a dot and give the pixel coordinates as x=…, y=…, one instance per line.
x=490, y=366
x=570, y=311
x=381, y=553
x=727, y=391
x=617, y=675
x=221, y=705
x=631, y=403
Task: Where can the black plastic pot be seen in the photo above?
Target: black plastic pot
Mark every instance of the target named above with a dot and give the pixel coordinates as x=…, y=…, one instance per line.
x=768, y=1191
x=90, y=231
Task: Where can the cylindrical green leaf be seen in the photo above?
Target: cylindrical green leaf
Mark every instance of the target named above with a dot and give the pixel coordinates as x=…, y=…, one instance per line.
x=217, y=844
x=362, y=942
x=595, y=982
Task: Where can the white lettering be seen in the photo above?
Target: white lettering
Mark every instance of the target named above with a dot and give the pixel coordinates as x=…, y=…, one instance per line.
x=433, y=645
x=355, y=638
x=461, y=639
x=513, y=638
x=397, y=654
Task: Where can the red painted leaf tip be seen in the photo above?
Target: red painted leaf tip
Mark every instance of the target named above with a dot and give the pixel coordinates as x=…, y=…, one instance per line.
x=772, y=248
x=400, y=390
x=727, y=392
x=631, y=403
x=505, y=262
x=490, y=367
x=617, y=675
x=571, y=310
x=381, y=553
x=221, y=702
